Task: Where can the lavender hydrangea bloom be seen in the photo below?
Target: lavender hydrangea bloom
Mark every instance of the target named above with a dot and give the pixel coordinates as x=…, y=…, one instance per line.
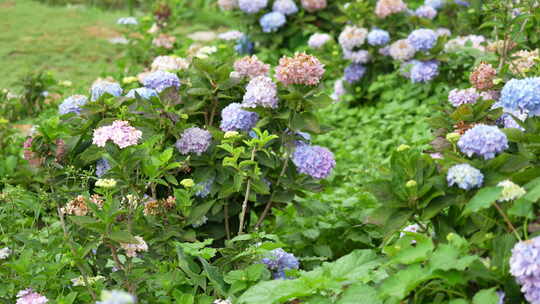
x=484, y=140
x=525, y=267
x=436, y=4
x=145, y=93
x=459, y=97
x=161, y=80
x=127, y=21
x=354, y=72
x=424, y=71
x=522, y=95
x=272, y=21
x=72, y=104
x=339, y=90
x=194, y=140
x=234, y=118
x=101, y=87
x=102, y=167
x=314, y=161
x=279, y=261
x=286, y=7
x=252, y=6
x=261, y=91
x=378, y=37
x=464, y=176
x=423, y=39
x=426, y=11
x=317, y=40
x=360, y=56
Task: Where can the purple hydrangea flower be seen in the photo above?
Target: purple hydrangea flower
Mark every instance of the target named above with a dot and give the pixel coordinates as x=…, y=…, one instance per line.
x=459, y=97
x=314, y=161
x=160, y=80
x=525, y=267
x=464, y=176
x=272, y=21
x=194, y=140
x=252, y=6
x=522, y=95
x=72, y=104
x=420, y=71
x=484, y=140
x=426, y=11
x=261, y=91
x=378, y=37
x=286, y=7
x=102, y=167
x=279, y=261
x=145, y=93
x=360, y=56
x=462, y=3
x=29, y=296
x=101, y=87
x=234, y=118
x=354, y=72
x=423, y=39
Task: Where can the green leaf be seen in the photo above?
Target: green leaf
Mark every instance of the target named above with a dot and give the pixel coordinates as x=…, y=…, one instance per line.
x=447, y=257
x=483, y=199
x=399, y=285
x=199, y=92
x=83, y=220
x=123, y=237
x=411, y=248
x=360, y=294
x=486, y=296
x=276, y=291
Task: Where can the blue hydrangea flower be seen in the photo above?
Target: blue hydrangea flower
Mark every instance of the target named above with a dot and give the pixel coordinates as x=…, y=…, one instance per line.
x=484, y=140
x=525, y=267
x=101, y=87
x=252, y=6
x=102, y=167
x=127, y=21
x=204, y=188
x=314, y=161
x=194, y=140
x=436, y=4
x=161, y=80
x=422, y=39
x=286, y=7
x=261, y=91
x=244, y=46
x=354, y=72
x=145, y=93
x=72, y=104
x=234, y=118
x=421, y=71
x=464, y=176
x=462, y=3
x=279, y=261
x=522, y=95
x=378, y=37
x=426, y=11
x=272, y=21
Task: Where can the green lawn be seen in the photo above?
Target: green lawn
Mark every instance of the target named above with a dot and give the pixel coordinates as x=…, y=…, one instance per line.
x=69, y=42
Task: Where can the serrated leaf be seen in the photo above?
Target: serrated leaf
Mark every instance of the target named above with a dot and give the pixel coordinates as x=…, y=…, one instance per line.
x=483, y=199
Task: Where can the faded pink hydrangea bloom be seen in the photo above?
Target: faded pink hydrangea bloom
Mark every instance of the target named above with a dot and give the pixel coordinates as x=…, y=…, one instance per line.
x=164, y=41
x=120, y=132
x=300, y=69
x=314, y=5
x=386, y=8
x=251, y=67
x=28, y=296
x=524, y=61
x=132, y=249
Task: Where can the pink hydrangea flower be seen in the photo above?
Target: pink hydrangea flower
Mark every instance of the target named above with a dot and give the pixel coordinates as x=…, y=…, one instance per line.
x=28, y=296
x=300, y=69
x=120, y=132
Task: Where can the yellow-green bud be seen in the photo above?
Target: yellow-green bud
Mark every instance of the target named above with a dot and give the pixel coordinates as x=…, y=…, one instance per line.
x=188, y=183
x=129, y=79
x=230, y=134
x=66, y=83
x=402, y=148
x=410, y=184
x=106, y=183
x=453, y=137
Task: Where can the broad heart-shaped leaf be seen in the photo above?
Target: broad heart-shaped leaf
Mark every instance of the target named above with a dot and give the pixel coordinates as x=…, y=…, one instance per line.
x=355, y=266
x=447, y=257
x=400, y=284
x=276, y=291
x=360, y=294
x=411, y=248
x=483, y=199
x=486, y=296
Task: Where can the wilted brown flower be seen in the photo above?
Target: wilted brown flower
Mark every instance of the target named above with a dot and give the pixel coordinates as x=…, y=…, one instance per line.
x=482, y=76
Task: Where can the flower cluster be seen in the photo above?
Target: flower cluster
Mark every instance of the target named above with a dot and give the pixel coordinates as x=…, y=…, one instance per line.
x=144, y=93
x=314, y=161
x=401, y=50
x=101, y=87
x=120, y=132
x=522, y=95
x=251, y=66
x=272, y=21
x=161, y=80
x=352, y=37
x=313, y=5
x=300, y=69
x=155, y=207
x=252, y=6
x=279, y=261
x=317, y=40
x=228, y=5
x=106, y=183
x=378, y=37
x=132, y=248
x=76, y=206
x=169, y=63
x=102, y=167
x=423, y=39
x=482, y=76
x=194, y=140
x=385, y=8
x=286, y=7
x=510, y=191
x=459, y=97
x=420, y=71
x=483, y=140
x=234, y=118
x=354, y=72
x=524, y=61
x=461, y=42
x=464, y=176
x=72, y=104
x=5, y=253
x=525, y=267
x=426, y=11
x=261, y=91
x=165, y=41
x=29, y=296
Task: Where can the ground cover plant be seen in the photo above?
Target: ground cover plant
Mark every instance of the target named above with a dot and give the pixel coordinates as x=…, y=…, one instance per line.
x=215, y=166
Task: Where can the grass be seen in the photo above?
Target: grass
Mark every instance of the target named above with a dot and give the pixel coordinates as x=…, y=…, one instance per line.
x=69, y=42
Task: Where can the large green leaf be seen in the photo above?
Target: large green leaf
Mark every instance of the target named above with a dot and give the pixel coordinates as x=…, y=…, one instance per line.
x=483, y=199
x=399, y=285
x=486, y=296
x=360, y=294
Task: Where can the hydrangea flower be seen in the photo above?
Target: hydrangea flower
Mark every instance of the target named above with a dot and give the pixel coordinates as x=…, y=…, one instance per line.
x=232, y=35
x=525, y=267
x=339, y=90
x=317, y=40
x=510, y=191
x=132, y=248
x=361, y=56
x=462, y=3
x=421, y=71
x=234, y=118
x=101, y=87
x=116, y=297
x=194, y=140
x=102, y=167
x=464, y=176
x=482, y=76
x=127, y=21
x=252, y=6
x=279, y=261
x=313, y=5
x=385, y=8
x=72, y=104
x=29, y=296
x=436, y=4
x=120, y=132
x=272, y=21
x=227, y=5
x=524, y=61
x=286, y=7
x=442, y=31
x=251, y=66
x=401, y=50
x=205, y=188
x=352, y=37
x=314, y=161
x=354, y=72
x=261, y=91
x=484, y=140
x=144, y=93
x=378, y=37
x=459, y=97
x=165, y=41
x=422, y=39
x=161, y=80
x=107, y=183
x=300, y=69
x=169, y=63
x=244, y=46
x=426, y=11
x=522, y=95
x=460, y=42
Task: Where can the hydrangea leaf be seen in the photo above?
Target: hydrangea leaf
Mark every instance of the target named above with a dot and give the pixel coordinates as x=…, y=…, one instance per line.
x=483, y=199
x=486, y=296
